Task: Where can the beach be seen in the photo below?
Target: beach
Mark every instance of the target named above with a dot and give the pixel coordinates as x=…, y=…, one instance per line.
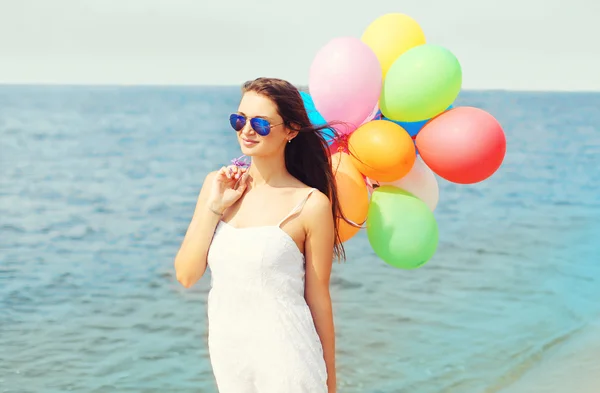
x=572, y=367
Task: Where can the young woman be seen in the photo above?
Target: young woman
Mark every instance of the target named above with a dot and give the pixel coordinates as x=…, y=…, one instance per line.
x=269, y=235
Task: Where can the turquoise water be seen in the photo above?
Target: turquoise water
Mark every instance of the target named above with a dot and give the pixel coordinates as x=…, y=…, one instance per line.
x=98, y=185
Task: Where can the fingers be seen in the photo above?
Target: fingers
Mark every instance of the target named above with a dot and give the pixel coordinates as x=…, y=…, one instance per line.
x=234, y=172
x=222, y=172
x=231, y=173
x=242, y=183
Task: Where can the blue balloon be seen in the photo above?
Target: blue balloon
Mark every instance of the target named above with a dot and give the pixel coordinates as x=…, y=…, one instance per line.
x=315, y=117
x=414, y=127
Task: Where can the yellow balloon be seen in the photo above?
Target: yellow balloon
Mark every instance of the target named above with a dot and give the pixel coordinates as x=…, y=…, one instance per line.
x=391, y=35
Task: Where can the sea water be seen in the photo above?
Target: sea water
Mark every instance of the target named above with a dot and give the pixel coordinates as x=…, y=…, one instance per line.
x=98, y=185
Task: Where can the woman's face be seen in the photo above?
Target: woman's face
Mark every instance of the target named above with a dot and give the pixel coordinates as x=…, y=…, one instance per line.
x=264, y=111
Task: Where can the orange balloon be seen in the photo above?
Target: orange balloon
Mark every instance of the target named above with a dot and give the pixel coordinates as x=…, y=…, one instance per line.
x=353, y=195
x=382, y=150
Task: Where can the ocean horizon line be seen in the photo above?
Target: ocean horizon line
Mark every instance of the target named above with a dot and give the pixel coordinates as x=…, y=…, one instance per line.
x=237, y=85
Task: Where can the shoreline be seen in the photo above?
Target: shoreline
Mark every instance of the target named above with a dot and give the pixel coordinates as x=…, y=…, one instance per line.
x=574, y=367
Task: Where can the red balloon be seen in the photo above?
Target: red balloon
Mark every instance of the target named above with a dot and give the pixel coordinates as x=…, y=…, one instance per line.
x=463, y=145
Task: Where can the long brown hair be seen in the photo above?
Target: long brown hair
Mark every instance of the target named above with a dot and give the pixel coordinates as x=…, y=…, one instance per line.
x=307, y=155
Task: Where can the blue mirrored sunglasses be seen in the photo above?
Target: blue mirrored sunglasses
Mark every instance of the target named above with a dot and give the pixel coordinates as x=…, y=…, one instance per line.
x=260, y=126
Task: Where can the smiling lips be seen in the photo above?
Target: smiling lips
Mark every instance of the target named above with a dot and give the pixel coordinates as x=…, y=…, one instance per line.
x=248, y=142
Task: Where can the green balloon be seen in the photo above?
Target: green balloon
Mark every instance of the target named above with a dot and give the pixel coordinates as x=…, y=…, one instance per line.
x=401, y=228
x=422, y=83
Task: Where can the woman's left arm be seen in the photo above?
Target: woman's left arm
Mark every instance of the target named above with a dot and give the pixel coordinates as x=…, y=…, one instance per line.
x=319, y=259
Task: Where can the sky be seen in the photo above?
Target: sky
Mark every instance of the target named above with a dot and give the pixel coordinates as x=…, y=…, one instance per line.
x=501, y=44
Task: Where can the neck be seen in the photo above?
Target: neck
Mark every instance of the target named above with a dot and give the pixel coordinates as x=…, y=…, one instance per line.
x=267, y=170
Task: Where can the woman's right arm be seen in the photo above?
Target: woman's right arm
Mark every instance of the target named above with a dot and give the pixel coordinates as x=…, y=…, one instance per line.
x=190, y=261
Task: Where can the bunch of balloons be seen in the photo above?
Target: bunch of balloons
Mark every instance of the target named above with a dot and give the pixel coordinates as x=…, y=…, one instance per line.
x=391, y=96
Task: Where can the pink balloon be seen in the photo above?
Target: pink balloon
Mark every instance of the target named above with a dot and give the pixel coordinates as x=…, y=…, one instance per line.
x=464, y=145
x=345, y=82
x=421, y=182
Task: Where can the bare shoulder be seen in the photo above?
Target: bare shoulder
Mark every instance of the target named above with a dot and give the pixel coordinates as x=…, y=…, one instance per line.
x=209, y=176
x=319, y=226
x=206, y=184
x=318, y=208
x=205, y=189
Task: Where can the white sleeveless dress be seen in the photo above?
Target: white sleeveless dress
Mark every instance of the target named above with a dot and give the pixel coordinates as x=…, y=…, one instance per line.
x=261, y=334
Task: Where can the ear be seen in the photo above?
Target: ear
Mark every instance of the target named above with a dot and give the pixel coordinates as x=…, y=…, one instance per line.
x=292, y=130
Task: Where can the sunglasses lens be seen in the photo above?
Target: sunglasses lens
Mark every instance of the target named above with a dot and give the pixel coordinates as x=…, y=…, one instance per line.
x=237, y=121
x=261, y=126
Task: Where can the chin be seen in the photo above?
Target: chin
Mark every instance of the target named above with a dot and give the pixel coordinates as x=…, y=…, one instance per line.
x=249, y=151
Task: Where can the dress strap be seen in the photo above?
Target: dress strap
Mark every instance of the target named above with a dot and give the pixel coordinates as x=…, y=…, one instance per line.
x=298, y=207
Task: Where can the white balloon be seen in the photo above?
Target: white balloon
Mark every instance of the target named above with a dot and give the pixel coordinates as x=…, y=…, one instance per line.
x=421, y=182
x=372, y=114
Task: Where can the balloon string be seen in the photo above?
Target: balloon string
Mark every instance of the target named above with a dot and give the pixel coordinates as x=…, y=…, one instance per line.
x=342, y=142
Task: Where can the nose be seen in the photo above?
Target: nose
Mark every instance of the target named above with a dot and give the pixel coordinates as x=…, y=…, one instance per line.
x=247, y=130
